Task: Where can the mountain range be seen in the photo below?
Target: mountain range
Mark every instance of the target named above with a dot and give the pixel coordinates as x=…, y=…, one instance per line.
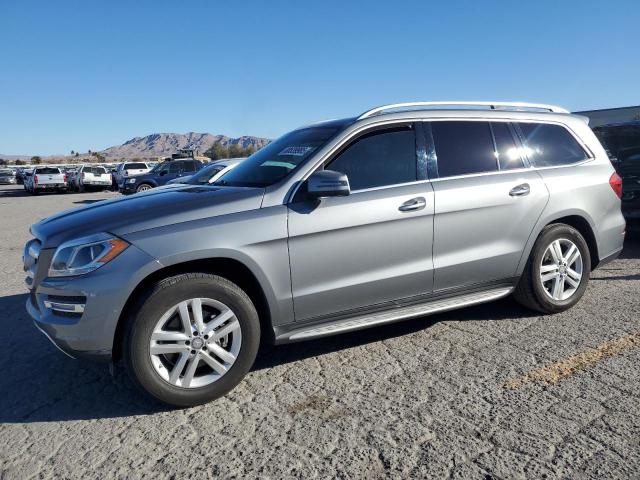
x=161, y=145
x=164, y=144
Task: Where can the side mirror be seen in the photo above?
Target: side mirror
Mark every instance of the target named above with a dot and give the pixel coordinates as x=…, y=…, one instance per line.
x=328, y=183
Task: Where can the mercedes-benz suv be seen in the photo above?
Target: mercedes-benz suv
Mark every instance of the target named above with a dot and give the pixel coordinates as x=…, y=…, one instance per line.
x=403, y=211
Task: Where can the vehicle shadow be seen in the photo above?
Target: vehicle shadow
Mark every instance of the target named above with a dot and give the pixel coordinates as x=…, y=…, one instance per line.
x=14, y=192
x=40, y=384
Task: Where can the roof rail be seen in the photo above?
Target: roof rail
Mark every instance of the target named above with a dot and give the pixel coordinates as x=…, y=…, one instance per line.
x=490, y=105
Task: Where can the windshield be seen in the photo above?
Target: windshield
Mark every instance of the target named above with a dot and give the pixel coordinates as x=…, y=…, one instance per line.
x=278, y=159
x=6, y=171
x=205, y=174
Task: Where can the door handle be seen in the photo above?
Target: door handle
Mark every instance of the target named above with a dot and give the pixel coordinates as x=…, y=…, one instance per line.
x=520, y=190
x=417, y=203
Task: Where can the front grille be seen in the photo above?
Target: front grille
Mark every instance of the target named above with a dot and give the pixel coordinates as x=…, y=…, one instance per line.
x=67, y=298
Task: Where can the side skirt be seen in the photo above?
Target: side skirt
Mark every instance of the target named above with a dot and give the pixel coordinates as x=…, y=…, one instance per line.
x=294, y=333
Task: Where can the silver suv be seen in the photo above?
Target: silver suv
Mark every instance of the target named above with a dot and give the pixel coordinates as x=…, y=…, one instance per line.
x=403, y=211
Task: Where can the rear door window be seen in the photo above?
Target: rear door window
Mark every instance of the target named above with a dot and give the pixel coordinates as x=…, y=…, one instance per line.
x=550, y=145
x=463, y=148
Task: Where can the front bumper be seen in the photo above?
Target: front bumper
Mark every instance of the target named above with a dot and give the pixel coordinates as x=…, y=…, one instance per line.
x=128, y=187
x=80, y=314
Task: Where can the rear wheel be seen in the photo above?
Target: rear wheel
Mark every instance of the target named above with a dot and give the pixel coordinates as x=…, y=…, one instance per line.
x=192, y=339
x=557, y=272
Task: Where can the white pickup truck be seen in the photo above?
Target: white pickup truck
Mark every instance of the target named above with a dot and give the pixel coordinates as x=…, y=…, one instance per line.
x=129, y=169
x=46, y=179
x=90, y=176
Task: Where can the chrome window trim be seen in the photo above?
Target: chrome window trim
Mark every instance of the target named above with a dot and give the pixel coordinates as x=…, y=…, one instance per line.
x=386, y=187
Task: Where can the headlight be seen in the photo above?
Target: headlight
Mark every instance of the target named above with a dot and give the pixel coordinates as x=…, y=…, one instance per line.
x=85, y=255
x=131, y=180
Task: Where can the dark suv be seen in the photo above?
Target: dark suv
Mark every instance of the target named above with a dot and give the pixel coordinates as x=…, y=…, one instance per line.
x=160, y=175
x=622, y=143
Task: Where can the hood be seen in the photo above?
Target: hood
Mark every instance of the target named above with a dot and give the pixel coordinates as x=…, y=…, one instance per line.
x=143, y=211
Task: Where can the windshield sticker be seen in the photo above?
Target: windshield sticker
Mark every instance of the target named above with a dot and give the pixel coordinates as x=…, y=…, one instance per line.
x=275, y=163
x=296, y=151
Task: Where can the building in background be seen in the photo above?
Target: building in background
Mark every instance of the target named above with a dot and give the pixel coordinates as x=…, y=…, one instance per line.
x=608, y=116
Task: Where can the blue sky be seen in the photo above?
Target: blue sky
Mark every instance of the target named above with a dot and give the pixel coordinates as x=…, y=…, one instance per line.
x=90, y=74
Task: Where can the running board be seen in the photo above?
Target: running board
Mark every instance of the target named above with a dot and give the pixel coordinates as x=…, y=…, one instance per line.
x=389, y=316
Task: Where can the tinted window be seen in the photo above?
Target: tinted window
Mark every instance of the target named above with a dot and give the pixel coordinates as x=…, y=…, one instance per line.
x=463, y=148
x=189, y=166
x=385, y=157
x=507, y=151
x=278, y=159
x=175, y=167
x=134, y=166
x=94, y=170
x=47, y=170
x=550, y=145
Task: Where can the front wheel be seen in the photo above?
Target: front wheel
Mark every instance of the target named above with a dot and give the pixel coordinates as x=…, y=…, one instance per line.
x=192, y=339
x=557, y=272
x=143, y=187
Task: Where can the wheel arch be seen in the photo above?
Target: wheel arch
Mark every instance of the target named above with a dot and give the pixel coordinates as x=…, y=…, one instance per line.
x=576, y=219
x=230, y=268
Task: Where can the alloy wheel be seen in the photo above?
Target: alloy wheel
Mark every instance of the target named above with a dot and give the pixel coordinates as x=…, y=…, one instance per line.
x=561, y=269
x=195, y=342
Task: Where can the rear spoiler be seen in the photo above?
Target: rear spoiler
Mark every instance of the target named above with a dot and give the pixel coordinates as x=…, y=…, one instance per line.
x=584, y=118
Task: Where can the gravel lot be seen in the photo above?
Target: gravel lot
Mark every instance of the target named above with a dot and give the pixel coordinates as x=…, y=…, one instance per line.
x=463, y=394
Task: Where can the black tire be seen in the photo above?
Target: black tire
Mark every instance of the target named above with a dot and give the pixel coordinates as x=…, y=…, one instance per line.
x=530, y=291
x=152, y=305
x=143, y=187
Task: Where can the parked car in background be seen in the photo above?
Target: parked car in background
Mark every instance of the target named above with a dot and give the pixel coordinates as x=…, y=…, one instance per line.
x=622, y=142
x=208, y=174
x=403, y=211
x=129, y=169
x=46, y=179
x=90, y=177
x=160, y=175
x=7, y=176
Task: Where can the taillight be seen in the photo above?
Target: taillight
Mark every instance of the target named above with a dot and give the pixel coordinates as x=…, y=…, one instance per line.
x=35, y=179
x=616, y=183
x=64, y=178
